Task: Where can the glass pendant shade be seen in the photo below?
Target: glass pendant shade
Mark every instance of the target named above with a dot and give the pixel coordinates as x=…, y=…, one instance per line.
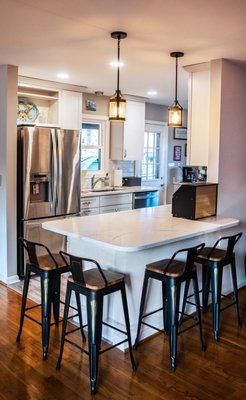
x=175, y=115
x=117, y=107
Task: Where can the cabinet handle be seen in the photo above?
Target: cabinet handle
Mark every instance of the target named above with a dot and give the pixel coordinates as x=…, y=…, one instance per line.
x=125, y=153
x=86, y=203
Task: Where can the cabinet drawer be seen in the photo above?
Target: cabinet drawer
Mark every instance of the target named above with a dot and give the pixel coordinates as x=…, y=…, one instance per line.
x=89, y=211
x=116, y=199
x=89, y=202
x=116, y=208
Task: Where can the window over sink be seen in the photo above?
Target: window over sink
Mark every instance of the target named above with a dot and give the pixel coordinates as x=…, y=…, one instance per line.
x=91, y=146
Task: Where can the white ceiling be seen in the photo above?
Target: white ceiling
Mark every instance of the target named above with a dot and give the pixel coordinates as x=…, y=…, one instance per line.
x=44, y=37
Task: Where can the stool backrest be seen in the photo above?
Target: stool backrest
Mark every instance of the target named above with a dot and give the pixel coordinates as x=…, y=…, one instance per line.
x=192, y=253
x=31, y=248
x=76, y=265
x=231, y=242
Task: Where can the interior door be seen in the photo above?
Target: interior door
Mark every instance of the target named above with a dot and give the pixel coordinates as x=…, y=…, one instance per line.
x=68, y=172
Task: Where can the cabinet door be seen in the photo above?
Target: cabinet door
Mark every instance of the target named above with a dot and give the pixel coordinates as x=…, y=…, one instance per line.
x=127, y=138
x=89, y=202
x=117, y=140
x=115, y=199
x=134, y=131
x=117, y=208
x=89, y=211
x=70, y=110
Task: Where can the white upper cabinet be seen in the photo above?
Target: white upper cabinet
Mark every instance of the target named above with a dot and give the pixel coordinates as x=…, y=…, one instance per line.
x=127, y=139
x=70, y=109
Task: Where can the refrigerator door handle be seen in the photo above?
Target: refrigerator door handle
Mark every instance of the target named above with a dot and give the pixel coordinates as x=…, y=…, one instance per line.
x=59, y=169
x=54, y=169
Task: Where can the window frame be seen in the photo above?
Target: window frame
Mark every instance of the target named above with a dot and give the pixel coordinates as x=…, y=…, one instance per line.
x=104, y=141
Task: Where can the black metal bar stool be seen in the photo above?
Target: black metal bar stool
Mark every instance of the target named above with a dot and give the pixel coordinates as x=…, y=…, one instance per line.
x=213, y=260
x=93, y=283
x=49, y=267
x=172, y=273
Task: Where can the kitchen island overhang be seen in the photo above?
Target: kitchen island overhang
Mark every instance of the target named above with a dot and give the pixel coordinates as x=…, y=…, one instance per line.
x=126, y=242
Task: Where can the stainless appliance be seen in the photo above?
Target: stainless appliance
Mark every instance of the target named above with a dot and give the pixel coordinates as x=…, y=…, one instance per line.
x=131, y=181
x=48, y=182
x=194, y=174
x=145, y=199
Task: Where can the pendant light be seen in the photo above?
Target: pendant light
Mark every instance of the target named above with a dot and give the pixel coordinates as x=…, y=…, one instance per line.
x=175, y=112
x=117, y=103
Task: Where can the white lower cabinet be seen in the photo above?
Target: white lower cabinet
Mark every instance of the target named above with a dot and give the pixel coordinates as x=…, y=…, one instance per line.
x=106, y=204
x=115, y=199
x=89, y=211
x=116, y=208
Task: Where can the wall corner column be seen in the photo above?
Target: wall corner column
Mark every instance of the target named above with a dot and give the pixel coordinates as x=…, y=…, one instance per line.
x=8, y=156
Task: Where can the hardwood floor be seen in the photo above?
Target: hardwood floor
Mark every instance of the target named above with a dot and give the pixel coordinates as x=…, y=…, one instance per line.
x=218, y=374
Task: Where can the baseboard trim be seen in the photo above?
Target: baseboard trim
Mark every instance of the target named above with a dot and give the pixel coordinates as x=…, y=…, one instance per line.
x=8, y=280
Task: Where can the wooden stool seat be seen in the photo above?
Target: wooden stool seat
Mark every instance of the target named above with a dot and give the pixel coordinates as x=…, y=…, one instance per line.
x=208, y=253
x=94, y=281
x=45, y=262
x=175, y=269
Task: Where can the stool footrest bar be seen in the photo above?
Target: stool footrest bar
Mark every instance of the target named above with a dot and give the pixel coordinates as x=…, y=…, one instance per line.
x=188, y=328
x=30, y=308
x=153, y=327
x=77, y=346
x=152, y=312
x=229, y=305
x=116, y=329
x=111, y=347
x=72, y=331
x=32, y=319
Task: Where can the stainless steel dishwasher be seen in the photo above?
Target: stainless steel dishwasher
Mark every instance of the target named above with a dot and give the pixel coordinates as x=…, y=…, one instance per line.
x=145, y=199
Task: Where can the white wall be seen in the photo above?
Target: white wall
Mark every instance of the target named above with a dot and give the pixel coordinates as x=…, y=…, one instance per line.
x=232, y=160
x=198, y=117
x=204, y=116
x=8, y=134
x=218, y=135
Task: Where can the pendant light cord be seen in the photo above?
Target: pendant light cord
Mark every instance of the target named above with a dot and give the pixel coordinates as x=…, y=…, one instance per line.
x=118, y=69
x=176, y=82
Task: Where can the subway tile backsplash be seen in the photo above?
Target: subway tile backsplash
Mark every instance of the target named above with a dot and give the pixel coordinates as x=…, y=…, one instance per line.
x=126, y=166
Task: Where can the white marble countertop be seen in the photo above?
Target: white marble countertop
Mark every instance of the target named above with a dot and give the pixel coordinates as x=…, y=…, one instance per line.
x=135, y=230
x=122, y=190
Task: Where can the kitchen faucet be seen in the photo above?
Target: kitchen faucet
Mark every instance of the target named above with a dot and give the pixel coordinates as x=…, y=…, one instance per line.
x=104, y=179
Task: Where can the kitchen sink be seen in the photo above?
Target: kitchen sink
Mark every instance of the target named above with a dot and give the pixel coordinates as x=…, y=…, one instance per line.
x=106, y=189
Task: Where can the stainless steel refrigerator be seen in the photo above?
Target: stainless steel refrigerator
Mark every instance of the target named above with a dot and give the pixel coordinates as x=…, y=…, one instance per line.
x=48, y=183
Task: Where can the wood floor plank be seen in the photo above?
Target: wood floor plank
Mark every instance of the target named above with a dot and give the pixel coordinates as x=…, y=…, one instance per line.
x=217, y=374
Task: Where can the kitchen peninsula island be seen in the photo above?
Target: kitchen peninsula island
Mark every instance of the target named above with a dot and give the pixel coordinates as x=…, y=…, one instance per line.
x=125, y=242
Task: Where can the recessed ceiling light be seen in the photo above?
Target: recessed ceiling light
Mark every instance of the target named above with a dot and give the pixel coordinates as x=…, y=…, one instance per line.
x=62, y=75
x=152, y=92
x=116, y=63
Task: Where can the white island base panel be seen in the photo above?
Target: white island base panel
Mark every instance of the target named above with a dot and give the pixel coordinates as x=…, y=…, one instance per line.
x=153, y=234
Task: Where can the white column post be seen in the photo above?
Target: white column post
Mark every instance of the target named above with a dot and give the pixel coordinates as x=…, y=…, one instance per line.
x=8, y=149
